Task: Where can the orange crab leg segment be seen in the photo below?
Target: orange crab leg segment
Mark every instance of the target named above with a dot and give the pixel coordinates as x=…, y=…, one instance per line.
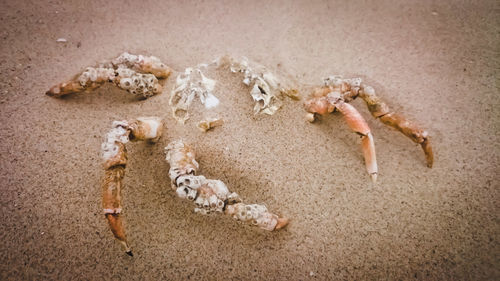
x=358, y=124
x=381, y=111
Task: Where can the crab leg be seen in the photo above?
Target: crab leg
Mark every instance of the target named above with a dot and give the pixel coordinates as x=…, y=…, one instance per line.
x=115, y=159
x=381, y=111
x=213, y=195
x=137, y=74
x=358, y=124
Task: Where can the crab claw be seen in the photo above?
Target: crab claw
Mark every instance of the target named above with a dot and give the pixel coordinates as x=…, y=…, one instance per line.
x=116, y=226
x=358, y=124
x=370, y=158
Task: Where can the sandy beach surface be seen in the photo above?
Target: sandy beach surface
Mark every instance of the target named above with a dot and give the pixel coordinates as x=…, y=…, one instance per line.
x=436, y=62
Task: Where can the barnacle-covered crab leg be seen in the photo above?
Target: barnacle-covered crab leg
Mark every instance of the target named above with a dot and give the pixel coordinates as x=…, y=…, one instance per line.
x=137, y=74
x=114, y=155
x=213, y=195
x=325, y=101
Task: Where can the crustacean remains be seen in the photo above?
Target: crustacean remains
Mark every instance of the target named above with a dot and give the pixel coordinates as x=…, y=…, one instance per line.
x=139, y=75
x=335, y=95
x=114, y=154
x=210, y=196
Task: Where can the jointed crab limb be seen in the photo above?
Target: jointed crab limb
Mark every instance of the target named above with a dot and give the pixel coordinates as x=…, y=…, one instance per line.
x=326, y=100
x=338, y=91
x=358, y=124
x=213, y=195
x=381, y=111
x=115, y=159
x=124, y=72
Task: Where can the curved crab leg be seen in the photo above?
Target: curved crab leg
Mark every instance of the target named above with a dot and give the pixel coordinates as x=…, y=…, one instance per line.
x=325, y=100
x=381, y=111
x=115, y=159
x=213, y=195
x=137, y=74
x=358, y=124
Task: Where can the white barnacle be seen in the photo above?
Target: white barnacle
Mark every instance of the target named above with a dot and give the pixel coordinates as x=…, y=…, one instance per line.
x=199, y=201
x=125, y=83
x=118, y=134
x=83, y=78
x=93, y=75
x=206, y=204
x=191, y=195
x=212, y=200
x=182, y=192
x=220, y=205
x=355, y=82
x=219, y=188
x=191, y=181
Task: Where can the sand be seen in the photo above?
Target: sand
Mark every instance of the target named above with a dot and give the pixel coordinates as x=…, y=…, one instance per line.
x=435, y=62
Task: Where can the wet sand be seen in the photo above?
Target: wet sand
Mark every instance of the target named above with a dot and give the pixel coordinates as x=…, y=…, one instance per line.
x=435, y=62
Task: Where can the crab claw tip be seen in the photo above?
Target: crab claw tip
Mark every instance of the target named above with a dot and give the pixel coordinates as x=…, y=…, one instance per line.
x=282, y=222
x=310, y=117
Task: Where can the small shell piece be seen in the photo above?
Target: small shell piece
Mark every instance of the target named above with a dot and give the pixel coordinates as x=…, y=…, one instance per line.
x=146, y=128
x=206, y=125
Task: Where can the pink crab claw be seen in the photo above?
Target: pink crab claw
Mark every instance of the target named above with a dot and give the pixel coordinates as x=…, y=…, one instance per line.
x=358, y=124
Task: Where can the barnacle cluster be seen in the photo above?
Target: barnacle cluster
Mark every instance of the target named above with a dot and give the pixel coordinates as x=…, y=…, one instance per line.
x=142, y=63
x=255, y=214
x=115, y=140
x=213, y=195
x=145, y=85
x=348, y=88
